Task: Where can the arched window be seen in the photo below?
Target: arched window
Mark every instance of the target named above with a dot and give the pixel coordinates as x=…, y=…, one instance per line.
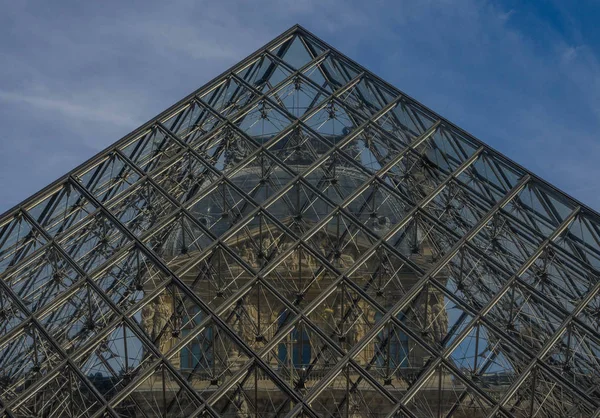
x=391, y=346
x=199, y=353
x=298, y=342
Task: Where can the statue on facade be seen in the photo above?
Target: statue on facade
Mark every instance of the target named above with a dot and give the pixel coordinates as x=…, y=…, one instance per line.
x=437, y=318
x=162, y=313
x=294, y=258
x=148, y=318
x=325, y=247
x=249, y=254
x=266, y=244
x=155, y=319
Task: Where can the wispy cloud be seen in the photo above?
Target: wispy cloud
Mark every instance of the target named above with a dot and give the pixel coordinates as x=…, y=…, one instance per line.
x=65, y=108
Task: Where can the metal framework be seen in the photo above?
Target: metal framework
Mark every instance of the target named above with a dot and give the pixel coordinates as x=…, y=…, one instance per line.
x=299, y=238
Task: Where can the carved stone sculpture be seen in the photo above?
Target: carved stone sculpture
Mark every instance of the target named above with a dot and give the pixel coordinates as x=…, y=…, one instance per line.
x=437, y=318
x=155, y=322
x=249, y=254
x=148, y=318
x=161, y=318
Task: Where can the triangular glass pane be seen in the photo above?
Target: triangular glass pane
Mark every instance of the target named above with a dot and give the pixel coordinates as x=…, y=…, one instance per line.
x=298, y=149
x=582, y=241
x=96, y=241
x=108, y=178
x=490, y=177
x=367, y=97
x=264, y=73
x=229, y=97
x=18, y=239
x=331, y=73
x=61, y=210
x=406, y=121
x=534, y=209
x=294, y=52
x=40, y=281
x=152, y=149
x=191, y=122
x=450, y=148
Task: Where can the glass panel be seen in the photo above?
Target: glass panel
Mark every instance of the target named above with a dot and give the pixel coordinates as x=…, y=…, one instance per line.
x=108, y=178
x=295, y=52
x=18, y=239
x=152, y=150
x=264, y=73
x=61, y=210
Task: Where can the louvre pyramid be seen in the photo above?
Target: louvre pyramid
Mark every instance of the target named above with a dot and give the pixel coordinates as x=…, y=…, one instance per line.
x=299, y=238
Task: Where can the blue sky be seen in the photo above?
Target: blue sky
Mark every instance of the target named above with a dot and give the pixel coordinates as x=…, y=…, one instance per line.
x=77, y=76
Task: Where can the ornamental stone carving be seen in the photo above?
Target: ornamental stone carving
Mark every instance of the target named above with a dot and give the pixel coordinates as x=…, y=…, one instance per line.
x=156, y=322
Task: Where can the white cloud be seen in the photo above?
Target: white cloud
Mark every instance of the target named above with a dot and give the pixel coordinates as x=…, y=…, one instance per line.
x=85, y=112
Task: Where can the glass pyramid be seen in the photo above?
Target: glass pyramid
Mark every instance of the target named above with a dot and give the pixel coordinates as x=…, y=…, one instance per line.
x=299, y=238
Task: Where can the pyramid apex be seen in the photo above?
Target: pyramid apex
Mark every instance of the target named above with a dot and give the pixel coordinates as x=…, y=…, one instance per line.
x=298, y=27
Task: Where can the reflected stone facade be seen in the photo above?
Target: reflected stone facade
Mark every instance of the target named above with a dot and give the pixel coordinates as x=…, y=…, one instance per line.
x=299, y=238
